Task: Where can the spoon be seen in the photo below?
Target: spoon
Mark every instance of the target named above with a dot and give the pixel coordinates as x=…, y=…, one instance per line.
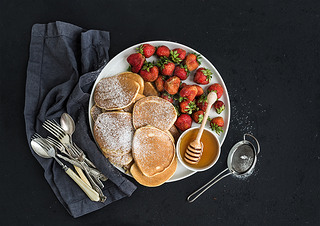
x=69, y=127
x=45, y=150
x=195, y=148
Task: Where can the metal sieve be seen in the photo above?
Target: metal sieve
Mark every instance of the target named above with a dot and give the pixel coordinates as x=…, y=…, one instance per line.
x=241, y=160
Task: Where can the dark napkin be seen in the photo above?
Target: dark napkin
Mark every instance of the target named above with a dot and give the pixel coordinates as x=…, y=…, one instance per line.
x=64, y=62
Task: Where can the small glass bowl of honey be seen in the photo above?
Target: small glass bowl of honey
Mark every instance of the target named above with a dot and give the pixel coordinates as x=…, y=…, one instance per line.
x=211, y=149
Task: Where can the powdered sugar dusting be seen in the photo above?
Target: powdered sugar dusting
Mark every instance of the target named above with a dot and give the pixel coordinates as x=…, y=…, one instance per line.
x=153, y=150
x=114, y=92
x=114, y=132
x=152, y=111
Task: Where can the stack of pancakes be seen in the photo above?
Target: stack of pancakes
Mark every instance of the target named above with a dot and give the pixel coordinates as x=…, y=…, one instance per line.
x=134, y=128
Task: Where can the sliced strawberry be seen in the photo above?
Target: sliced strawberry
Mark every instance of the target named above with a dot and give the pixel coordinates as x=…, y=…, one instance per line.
x=200, y=90
x=172, y=85
x=189, y=92
x=192, y=61
x=160, y=83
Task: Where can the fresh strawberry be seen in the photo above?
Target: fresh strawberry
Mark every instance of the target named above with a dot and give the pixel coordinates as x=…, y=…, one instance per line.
x=188, y=107
x=147, y=50
x=136, y=61
x=203, y=76
x=200, y=90
x=166, y=66
x=177, y=55
x=192, y=61
x=183, y=122
x=172, y=85
x=149, y=72
x=216, y=124
x=159, y=83
x=189, y=92
x=219, y=106
x=202, y=102
x=198, y=116
x=167, y=97
x=181, y=71
x=163, y=51
x=217, y=88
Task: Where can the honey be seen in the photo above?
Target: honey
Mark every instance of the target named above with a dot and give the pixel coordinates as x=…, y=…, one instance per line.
x=210, y=147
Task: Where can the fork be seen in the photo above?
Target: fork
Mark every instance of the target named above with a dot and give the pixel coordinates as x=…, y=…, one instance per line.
x=92, y=194
x=64, y=138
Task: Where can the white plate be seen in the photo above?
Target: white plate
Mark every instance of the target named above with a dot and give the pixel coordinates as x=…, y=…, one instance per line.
x=119, y=64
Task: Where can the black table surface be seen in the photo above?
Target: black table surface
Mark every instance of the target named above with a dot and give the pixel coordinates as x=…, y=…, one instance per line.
x=268, y=55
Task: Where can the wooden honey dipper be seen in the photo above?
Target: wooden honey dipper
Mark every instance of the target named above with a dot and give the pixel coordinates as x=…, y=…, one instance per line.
x=195, y=148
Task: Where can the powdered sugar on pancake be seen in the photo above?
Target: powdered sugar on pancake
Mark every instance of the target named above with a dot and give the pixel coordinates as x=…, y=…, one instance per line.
x=113, y=132
x=153, y=150
x=154, y=111
x=115, y=92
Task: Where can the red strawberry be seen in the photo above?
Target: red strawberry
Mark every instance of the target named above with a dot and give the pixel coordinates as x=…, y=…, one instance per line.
x=202, y=102
x=188, y=107
x=189, y=92
x=166, y=66
x=219, y=106
x=198, y=116
x=216, y=87
x=167, y=97
x=136, y=61
x=200, y=90
x=183, y=85
x=160, y=83
x=217, y=124
x=177, y=55
x=203, y=76
x=181, y=71
x=163, y=51
x=147, y=50
x=183, y=122
x=149, y=72
x=172, y=85
x=192, y=61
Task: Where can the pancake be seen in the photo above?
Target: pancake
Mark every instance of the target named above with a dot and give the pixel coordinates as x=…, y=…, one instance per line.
x=175, y=133
x=116, y=92
x=150, y=90
x=121, y=160
x=95, y=111
x=153, y=150
x=156, y=180
x=137, y=78
x=113, y=132
x=154, y=111
x=130, y=107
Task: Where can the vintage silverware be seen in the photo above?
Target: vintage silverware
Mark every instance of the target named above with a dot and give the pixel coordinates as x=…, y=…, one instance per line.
x=40, y=146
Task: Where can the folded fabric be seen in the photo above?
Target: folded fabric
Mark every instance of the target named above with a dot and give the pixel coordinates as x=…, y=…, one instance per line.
x=64, y=63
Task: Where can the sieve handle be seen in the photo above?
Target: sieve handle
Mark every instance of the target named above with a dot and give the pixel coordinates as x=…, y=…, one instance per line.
x=257, y=142
x=208, y=185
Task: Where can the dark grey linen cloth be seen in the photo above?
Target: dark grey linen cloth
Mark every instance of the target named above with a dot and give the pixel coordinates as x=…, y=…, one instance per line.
x=64, y=63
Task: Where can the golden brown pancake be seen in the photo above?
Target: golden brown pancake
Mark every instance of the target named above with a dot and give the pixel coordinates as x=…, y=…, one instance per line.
x=156, y=180
x=113, y=132
x=137, y=78
x=116, y=92
x=175, y=133
x=121, y=160
x=153, y=150
x=150, y=90
x=154, y=111
x=95, y=111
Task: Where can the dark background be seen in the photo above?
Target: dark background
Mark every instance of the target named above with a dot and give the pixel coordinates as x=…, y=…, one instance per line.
x=268, y=55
